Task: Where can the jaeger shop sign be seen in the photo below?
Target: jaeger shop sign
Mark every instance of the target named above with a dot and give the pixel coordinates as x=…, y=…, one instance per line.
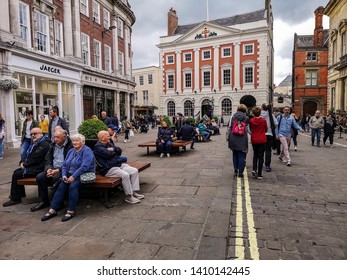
x=33, y=67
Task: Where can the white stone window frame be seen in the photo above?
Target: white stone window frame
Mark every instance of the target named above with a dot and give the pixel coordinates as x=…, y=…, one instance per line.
x=120, y=27
x=203, y=57
x=344, y=43
x=85, y=48
x=121, y=63
x=206, y=69
x=107, y=58
x=58, y=39
x=185, y=57
x=97, y=54
x=106, y=19
x=168, y=74
x=310, y=77
x=226, y=48
x=25, y=25
x=245, y=65
x=96, y=11
x=170, y=57
x=171, y=108
x=334, y=50
x=309, y=56
x=42, y=28
x=245, y=47
x=187, y=71
x=150, y=79
x=145, y=97
x=84, y=7
x=227, y=66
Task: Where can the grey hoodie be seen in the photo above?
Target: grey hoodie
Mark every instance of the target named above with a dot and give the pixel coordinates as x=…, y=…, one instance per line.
x=237, y=142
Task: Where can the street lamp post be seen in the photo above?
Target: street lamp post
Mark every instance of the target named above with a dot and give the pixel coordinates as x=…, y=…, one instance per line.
x=193, y=106
x=212, y=107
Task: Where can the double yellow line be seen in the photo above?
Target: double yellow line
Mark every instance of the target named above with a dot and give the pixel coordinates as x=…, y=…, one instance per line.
x=240, y=208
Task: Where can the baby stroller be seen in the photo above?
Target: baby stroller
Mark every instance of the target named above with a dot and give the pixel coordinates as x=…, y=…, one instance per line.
x=143, y=128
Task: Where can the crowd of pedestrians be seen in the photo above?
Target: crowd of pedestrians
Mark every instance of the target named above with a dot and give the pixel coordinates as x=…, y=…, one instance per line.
x=273, y=131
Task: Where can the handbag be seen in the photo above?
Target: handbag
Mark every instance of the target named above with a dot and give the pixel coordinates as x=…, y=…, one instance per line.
x=88, y=178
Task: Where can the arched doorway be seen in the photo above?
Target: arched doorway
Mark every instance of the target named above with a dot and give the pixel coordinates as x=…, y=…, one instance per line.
x=310, y=107
x=249, y=101
x=206, y=108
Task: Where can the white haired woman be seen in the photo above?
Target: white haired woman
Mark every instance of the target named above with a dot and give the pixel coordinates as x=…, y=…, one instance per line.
x=79, y=160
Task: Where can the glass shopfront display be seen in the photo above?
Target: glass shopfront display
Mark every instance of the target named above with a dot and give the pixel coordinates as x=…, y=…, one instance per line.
x=46, y=96
x=96, y=100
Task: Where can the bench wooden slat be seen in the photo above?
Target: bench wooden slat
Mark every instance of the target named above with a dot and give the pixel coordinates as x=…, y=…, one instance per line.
x=100, y=182
x=175, y=144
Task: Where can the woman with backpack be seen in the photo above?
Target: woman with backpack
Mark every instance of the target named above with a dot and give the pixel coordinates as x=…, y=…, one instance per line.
x=238, y=139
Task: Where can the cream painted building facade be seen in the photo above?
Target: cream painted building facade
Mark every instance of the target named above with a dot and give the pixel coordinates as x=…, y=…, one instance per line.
x=75, y=54
x=336, y=10
x=147, y=90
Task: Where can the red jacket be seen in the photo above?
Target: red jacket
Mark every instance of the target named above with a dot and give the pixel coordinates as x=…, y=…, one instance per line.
x=258, y=127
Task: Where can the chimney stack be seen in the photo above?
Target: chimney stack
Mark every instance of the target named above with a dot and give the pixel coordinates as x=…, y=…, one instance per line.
x=318, y=37
x=172, y=22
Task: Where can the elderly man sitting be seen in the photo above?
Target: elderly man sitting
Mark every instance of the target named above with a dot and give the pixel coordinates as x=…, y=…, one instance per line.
x=108, y=157
x=30, y=166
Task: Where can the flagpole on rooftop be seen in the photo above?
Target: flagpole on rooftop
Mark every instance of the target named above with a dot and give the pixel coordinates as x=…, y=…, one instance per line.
x=207, y=18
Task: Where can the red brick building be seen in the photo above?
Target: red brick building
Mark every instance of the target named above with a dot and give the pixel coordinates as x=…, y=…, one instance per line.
x=310, y=69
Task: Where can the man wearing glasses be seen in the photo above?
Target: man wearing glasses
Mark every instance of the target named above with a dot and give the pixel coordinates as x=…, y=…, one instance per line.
x=30, y=165
x=28, y=125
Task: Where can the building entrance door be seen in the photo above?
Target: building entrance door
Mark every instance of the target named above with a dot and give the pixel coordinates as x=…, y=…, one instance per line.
x=310, y=107
x=87, y=108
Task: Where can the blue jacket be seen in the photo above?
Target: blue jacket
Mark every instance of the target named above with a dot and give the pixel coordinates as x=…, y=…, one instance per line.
x=80, y=163
x=285, y=126
x=165, y=133
x=107, y=159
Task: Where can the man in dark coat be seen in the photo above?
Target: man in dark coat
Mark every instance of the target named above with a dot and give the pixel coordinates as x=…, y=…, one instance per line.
x=187, y=132
x=56, y=121
x=51, y=176
x=30, y=166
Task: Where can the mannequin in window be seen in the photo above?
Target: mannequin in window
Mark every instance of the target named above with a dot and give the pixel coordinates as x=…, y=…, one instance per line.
x=22, y=116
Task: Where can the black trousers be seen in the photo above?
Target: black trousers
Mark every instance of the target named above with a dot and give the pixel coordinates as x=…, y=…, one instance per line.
x=18, y=191
x=331, y=137
x=258, y=157
x=268, y=150
x=43, y=182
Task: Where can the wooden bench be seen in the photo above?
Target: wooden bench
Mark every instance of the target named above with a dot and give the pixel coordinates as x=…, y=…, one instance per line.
x=199, y=137
x=176, y=144
x=101, y=182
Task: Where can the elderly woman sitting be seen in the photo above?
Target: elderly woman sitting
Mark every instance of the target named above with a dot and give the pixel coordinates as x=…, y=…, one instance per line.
x=79, y=160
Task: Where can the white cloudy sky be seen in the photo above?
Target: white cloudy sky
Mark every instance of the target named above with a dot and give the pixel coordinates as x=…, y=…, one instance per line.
x=290, y=16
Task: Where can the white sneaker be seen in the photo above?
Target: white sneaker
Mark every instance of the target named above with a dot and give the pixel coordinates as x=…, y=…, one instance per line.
x=138, y=196
x=125, y=141
x=289, y=163
x=132, y=200
x=295, y=148
x=168, y=155
x=162, y=155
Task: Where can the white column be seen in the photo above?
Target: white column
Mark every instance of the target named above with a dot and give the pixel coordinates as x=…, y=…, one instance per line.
x=115, y=43
x=237, y=65
x=117, y=109
x=60, y=100
x=34, y=96
x=178, y=72
x=68, y=50
x=76, y=28
x=126, y=53
x=128, y=105
x=14, y=17
x=5, y=18
x=78, y=105
x=216, y=68
x=196, y=70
